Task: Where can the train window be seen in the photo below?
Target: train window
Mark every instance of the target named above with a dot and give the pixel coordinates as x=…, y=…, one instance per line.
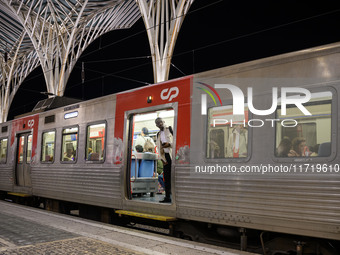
x=69, y=144
x=95, y=142
x=3, y=150
x=21, y=149
x=48, y=145
x=29, y=149
x=227, y=133
x=306, y=135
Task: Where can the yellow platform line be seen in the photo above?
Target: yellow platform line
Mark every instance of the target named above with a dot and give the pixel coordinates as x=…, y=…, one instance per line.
x=19, y=194
x=146, y=215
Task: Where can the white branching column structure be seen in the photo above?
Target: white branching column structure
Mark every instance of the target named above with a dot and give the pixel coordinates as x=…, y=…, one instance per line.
x=56, y=28
x=13, y=71
x=163, y=20
x=17, y=58
x=58, y=33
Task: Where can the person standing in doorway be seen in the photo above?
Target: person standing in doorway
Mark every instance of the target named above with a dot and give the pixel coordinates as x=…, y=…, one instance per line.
x=164, y=144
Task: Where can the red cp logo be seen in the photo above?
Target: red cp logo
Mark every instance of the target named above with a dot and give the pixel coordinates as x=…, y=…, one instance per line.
x=30, y=123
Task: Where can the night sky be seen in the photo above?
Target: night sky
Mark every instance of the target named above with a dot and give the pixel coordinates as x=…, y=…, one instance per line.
x=214, y=34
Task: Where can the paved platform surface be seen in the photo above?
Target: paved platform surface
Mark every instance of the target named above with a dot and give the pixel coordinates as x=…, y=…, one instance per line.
x=30, y=231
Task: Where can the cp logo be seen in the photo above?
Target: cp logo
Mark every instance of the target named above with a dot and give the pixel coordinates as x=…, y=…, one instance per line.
x=169, y=93
x=30, y=123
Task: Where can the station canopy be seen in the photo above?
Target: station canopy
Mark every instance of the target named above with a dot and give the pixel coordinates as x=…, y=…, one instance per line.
x=54, y=34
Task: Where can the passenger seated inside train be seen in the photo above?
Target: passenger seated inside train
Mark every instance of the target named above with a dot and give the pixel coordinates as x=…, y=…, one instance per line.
x=139, y=148
x=48, y=158
x=89, y=151
x=314, y=150
x=70, y=153
x=299, y=148
x=309, y=136
x=324, y=149
x=284, y=147
x=94, y=157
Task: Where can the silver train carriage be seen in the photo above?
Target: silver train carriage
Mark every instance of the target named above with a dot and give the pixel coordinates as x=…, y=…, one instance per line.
x=272, y=165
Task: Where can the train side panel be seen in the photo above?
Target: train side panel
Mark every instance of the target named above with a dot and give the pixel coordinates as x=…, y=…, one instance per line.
x=82, y=181
x=297, y=203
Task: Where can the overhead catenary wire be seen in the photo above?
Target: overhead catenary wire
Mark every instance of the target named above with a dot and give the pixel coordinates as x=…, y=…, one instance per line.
x=116, y=59
x=108, y=75
x=212, y=44
x=178, y=69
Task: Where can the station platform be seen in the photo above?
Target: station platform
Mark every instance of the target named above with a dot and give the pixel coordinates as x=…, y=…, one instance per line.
x=26, y=230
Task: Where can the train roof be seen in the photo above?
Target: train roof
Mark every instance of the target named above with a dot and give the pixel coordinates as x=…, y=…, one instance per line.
x=273, y=60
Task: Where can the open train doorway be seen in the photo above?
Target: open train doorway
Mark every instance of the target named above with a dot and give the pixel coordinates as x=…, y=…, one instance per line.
x=24, y=157
x=145, y=167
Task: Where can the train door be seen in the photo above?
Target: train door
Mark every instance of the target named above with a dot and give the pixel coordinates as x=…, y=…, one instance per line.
x=24, y=156
x=144, y=166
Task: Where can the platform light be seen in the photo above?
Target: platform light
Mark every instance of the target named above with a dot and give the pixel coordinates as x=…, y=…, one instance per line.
x=144, y=117
x=166, y=114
